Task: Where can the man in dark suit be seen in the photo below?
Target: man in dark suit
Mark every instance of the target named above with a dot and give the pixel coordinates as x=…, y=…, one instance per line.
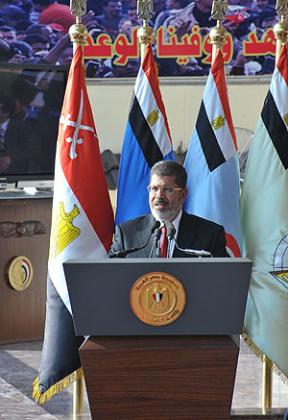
x=167, y=193
x=17, y=141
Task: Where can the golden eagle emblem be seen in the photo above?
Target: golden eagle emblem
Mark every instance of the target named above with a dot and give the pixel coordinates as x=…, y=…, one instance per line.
x=157, y=300
x=63, y=231
x=153, y=117
x=218, y=122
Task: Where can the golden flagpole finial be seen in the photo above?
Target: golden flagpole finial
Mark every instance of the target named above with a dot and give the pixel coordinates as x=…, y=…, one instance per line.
x=281, y=27
x=219, y=8
x=218, y=33
x=145, y=9
x=78, y=32
x=281, y=7
x=145, y=33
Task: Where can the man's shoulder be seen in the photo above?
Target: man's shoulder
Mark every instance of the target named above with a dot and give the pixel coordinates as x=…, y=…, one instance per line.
x=137, y=222
x=199, y=221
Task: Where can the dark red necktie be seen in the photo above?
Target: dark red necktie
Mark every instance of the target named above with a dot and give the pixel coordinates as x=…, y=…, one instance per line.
x=163, y=242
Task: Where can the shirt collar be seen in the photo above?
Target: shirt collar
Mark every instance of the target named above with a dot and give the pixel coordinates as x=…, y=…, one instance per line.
x=175, y=222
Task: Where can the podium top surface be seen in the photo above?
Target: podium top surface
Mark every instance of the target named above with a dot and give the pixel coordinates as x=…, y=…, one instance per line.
x=216, y=292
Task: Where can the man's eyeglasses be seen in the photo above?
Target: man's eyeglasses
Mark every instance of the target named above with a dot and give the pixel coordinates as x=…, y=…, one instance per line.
x=166, y=189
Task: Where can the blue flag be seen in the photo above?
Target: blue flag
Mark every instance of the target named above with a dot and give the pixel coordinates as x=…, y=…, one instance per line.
x=147, y=140
x=212, y=163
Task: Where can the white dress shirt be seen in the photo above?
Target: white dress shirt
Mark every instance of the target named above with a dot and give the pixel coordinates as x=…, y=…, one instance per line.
x=175, y=223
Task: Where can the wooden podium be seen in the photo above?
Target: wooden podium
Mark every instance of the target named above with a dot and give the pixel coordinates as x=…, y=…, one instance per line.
x=184, y=370
x=160, y=377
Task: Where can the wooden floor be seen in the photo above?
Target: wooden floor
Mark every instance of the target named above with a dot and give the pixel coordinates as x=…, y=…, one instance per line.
x=19, y=364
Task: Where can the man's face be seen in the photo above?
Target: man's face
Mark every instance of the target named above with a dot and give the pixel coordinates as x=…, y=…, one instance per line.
x=40, y=46
x=47, y=33
x=113, y=8
x=132, y=14
x=165, y=206
x=8, y=36
x=125, y=27
x=66, y=56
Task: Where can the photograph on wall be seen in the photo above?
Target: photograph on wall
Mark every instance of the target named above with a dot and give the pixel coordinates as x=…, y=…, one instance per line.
x=36, y=31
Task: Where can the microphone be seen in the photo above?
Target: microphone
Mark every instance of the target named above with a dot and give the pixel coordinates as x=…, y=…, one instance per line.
x=193, y=252
x=124, y=253
x=170, y=230
x=170, y=233
x=157, y=235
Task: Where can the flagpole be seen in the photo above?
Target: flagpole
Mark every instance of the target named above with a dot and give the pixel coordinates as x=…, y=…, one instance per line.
x=145, y=33
x=78, y=34
x=218, y=33
x=281, y=28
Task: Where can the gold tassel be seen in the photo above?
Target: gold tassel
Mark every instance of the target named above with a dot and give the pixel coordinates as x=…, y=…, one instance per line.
x=57, y=387
x=260, y=354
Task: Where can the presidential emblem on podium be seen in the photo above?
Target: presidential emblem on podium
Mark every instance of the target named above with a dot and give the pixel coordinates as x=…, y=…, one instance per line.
x=157, y=298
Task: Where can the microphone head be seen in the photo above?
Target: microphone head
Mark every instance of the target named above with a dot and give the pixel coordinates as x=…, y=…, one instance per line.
x=155, y=226
x=170, y=230
x=157, y=234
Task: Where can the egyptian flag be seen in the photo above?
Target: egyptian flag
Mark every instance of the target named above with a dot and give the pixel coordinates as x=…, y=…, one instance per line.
x=264, y=218
x=147, y=140
x=212, y=162
x=82, y=228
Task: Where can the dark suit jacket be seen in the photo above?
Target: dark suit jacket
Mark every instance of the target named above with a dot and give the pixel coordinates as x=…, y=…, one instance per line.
x=194, y=233
x=18, y=146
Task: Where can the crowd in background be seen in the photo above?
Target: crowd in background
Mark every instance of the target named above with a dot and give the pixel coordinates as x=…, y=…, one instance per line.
x=37, y=31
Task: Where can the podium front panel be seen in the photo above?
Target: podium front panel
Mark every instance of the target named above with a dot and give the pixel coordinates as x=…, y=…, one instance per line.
x=216, y=293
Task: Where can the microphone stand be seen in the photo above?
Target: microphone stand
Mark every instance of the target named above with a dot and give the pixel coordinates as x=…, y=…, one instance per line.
x=157, y=234
x=193, y=252
x=124, y=253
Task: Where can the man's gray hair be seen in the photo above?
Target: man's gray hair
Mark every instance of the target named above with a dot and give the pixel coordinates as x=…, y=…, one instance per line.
x=170, y=168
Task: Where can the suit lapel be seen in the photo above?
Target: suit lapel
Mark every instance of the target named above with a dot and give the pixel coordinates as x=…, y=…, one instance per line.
x=143, y=231
x=187, y=233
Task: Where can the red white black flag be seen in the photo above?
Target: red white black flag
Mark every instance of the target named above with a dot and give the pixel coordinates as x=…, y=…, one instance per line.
x=82, y=228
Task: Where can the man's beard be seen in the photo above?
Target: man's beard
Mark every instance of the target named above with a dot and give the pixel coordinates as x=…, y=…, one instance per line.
x=164, y=215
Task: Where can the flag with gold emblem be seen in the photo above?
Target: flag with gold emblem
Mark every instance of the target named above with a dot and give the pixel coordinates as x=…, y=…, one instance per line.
x=212, y=163
x=82, y=228
x=147, y=140
x=264, y=217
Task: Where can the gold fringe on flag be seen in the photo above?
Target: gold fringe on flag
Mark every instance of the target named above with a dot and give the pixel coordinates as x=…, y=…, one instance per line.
x=57, y=387
x=260, y=354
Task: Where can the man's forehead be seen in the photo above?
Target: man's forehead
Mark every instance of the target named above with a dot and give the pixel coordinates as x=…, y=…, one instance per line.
x=163, y=179
x=114, y=3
